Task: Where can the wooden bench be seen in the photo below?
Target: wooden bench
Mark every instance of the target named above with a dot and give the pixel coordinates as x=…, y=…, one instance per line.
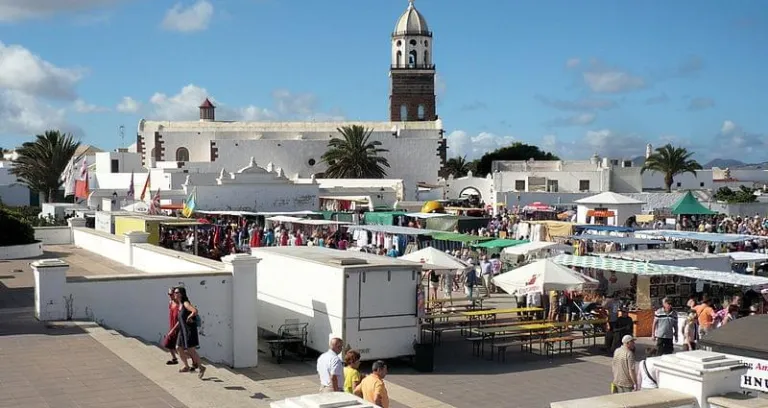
x=501, y=348
x=477, y=341
x=549, y=344
x=586, y=336
x=290, y=337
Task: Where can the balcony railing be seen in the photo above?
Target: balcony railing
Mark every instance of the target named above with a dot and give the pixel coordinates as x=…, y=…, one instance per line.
x=413, y=66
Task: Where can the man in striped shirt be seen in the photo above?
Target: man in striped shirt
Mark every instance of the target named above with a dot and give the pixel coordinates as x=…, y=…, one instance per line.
x=665, y=327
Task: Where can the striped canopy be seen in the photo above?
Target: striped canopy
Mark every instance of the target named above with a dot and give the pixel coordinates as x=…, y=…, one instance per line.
x=618, y=265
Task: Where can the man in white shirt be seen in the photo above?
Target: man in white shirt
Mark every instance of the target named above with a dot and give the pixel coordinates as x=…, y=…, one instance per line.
x=330, y=368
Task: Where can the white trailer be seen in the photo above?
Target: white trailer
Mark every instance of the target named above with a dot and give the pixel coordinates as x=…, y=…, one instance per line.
x=369, y=301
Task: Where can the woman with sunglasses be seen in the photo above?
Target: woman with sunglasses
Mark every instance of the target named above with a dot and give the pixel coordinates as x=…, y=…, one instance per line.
x=188, y=341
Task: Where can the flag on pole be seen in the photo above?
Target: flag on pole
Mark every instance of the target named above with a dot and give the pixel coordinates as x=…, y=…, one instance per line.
x=68, y=177
x=147, y=188
x=81, y=186
x=131, y=191
x=190, y=205
x=154, y=205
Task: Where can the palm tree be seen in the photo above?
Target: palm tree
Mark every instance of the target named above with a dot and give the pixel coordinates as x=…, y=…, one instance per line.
x=671, y=161
x=458, y=166
x=353, y=156
x=40, y=163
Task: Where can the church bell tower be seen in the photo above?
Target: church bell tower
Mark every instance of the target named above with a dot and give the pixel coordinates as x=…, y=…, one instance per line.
x=412, y=73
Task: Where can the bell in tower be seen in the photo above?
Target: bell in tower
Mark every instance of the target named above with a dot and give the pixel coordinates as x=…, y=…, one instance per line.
x=207, y=111
x=412, y=74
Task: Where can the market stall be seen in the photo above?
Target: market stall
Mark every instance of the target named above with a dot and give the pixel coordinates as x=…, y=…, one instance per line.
x=365, y=236
x=585, y=243
x=649, y=283
x=607, y=208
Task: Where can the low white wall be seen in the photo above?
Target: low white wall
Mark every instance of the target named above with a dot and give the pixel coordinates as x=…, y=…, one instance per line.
x=54, y=235
x=142, y=256
x=138, y=306
x=106, y=245
x=21, y=251
x=154, y=259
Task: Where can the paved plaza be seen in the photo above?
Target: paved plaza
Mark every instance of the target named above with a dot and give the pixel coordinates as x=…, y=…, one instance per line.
x=83, y=365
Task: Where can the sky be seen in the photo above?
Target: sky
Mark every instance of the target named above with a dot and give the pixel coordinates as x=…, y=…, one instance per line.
x=573, y=77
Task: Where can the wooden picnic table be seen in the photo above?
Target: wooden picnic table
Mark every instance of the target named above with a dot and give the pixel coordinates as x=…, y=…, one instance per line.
x=532, y=329
x=472, y=316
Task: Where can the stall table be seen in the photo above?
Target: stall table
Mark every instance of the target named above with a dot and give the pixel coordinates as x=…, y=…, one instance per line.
x=643, y=319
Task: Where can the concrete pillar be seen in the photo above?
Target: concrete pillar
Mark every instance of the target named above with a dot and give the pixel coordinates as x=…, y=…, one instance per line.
x=245, y=332
x=702, y=374
x=131, y=238
x=51, y=303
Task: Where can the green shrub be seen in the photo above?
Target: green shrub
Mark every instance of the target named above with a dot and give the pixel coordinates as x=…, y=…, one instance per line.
x=15, y=231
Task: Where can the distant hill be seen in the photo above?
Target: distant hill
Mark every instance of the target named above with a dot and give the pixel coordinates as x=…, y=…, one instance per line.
x=638, y=161
x=723, y=163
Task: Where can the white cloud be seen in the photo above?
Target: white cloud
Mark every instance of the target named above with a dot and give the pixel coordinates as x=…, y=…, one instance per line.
x=582, y=119
x=196, y=17
x=572, y=62
x=16, y=10
x=81, y=106
x=128, y=105
x=286, y=106
x=21, y=70
x=612, y=81
x=24, y=114
x=460, y=143
x=728, y=127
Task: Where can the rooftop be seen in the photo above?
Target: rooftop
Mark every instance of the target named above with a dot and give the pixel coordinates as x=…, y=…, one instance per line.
x=336, y=258
x=285, y=127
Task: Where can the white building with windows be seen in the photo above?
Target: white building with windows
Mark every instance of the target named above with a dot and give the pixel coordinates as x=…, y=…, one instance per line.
x=413, y=135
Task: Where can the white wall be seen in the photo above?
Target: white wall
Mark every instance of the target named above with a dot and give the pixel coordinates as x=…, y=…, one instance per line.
x=138, y=306
x=127, y=162
x=32, y=250
x=316, y=298
x=154, y=259
x=142, y=256
x=259, y=197
x=621, y=212
x=54, y=235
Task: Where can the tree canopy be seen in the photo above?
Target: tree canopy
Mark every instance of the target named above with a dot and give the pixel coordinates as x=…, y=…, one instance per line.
x=41, y=163
x=671, y=161
x=742, y=195
x=515, y=152
x=458, y=166
x=354, y=155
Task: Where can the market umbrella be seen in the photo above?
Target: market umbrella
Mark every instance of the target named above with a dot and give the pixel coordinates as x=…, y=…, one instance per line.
x=435, y=259
x=540, y=276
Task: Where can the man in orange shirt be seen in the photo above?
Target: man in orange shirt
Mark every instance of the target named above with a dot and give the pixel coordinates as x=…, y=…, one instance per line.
x=706, y=316
x=372, y=388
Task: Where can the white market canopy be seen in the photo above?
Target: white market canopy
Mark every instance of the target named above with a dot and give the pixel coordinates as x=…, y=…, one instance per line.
x=435, y=259
x=393, y=229
x=697, y=236
x=747, y=256
x=650, y=269
x=608, y=198
x=422, y=215
x=525, y=249
x=540, y=276
x=253, y=214
x=303, y=221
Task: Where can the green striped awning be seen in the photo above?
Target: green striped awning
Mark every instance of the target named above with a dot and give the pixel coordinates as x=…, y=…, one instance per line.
x=618, y=265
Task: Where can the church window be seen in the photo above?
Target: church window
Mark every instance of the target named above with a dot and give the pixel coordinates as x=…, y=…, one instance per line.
x=182, y=154
x=426, y=43
x=399, y=43
x=426, y=58
x=421, y=112
x=399, y=61
x=403, y=112
x=412, y=59
x=413, y=42
x=152, y=153
x=311, y=162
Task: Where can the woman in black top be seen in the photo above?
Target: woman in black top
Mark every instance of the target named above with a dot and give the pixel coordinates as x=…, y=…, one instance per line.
x=188, y=341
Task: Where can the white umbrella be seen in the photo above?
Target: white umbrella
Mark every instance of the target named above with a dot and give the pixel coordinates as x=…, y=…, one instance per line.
x=435, y=259
x=540, y=276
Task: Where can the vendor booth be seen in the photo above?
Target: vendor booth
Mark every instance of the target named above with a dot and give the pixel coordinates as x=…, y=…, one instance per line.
x=607, y=208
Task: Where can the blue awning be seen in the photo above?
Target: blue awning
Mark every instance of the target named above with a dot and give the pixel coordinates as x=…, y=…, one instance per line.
x=699, y=236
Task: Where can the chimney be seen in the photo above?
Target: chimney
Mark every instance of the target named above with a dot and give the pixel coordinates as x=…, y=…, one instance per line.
x=207, y=111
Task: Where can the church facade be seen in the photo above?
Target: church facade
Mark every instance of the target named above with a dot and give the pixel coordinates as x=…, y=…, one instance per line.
x=413, y=134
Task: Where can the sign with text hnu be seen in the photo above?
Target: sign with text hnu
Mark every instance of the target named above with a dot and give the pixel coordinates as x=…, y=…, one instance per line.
x=756, y=378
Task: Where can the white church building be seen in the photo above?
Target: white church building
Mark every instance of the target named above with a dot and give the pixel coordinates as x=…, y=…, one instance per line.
x=413, y=135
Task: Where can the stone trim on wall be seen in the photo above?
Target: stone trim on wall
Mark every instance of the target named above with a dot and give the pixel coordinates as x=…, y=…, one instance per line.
x=159, y=148
x=140, y=147
x=214, y=151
